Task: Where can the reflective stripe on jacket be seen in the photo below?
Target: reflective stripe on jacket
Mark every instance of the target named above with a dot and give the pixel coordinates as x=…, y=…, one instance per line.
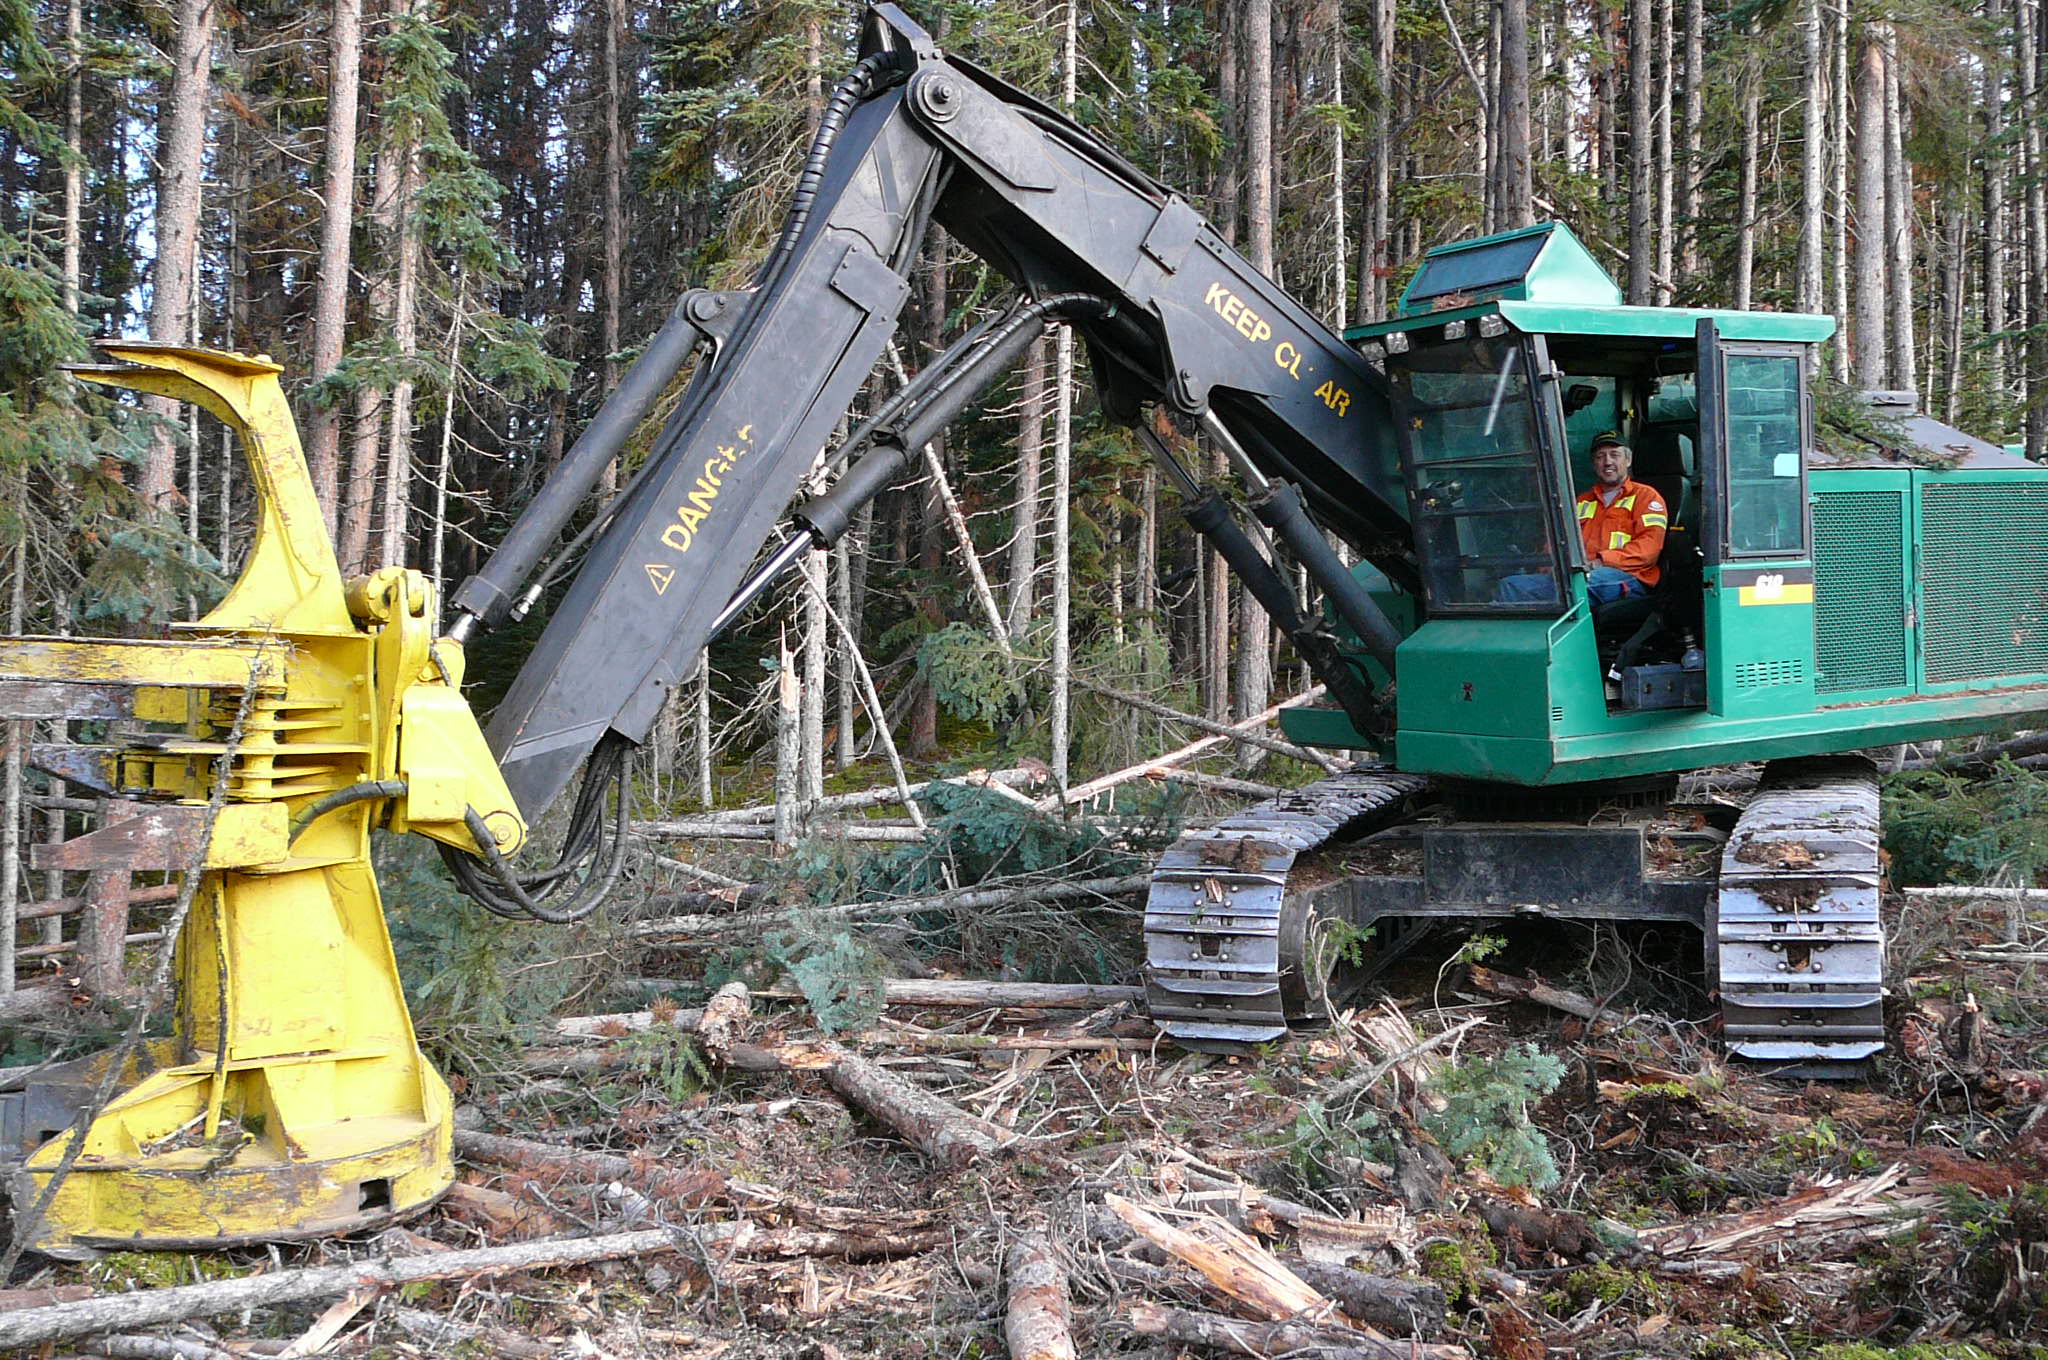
x=1628, y=533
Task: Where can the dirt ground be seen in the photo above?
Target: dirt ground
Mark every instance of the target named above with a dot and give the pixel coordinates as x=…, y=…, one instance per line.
x=1687, y=1208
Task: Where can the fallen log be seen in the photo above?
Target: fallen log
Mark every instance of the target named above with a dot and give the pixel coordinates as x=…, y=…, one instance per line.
x=972, y=993
x=154, y=1307
x=743, y=1237
x=1299, y=1341
x=1396, y=1307
x=1233, y=1263
x=157, y=1348
x=37, y=1003
x=1245, y=733
x=701, y=829
x=942, y=1131
x=1527, y=989
x=1102, y=784
x=627, y=1022
x=887, y=795
x=963, y=899
x=691, y=1189
x=11, y=1299
x=1217, y=783
x=1037, y=1317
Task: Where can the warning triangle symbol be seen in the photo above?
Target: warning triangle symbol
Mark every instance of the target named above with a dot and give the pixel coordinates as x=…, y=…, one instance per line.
x=661, y=573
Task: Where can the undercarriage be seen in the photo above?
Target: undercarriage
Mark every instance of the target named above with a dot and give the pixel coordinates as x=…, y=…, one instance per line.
x=1272, y=917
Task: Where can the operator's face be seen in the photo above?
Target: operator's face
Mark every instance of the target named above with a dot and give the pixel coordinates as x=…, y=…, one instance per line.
x=1611, y=464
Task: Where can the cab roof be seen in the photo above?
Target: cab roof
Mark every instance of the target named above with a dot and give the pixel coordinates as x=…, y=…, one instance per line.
x=1542, y=279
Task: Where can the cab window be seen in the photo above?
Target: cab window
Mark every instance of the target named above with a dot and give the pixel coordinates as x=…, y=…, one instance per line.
x=1766, y=473
x=1485, y=516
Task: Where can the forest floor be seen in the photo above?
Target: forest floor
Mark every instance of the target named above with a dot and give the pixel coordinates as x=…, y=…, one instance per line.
x=1437, y=1172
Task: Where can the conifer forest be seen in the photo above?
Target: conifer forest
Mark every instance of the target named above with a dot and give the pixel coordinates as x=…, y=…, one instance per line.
x=855, y=1056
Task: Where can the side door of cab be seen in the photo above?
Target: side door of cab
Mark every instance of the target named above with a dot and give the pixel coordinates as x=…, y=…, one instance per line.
x=1756, y=426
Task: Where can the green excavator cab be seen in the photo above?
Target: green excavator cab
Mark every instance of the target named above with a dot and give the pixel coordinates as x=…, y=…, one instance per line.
x=1814, y=595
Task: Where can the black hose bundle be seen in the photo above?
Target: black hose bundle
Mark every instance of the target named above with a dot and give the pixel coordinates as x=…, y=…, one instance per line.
x=593, y=851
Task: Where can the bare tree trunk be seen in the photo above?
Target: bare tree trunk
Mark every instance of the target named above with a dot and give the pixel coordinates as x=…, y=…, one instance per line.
x=359, y=492
x=16, y=733
x=337, y=216
x=2027, y=60
x=1376, y=235
x=1994, y=313
x=1746, y=175
x=1870, y=215
x=1517, y=188
x=1254, y=656
x=1063, y=482
x=842, y=600
x=1898, y=223
x=923, y=737
x=1030, y=459
x=616, y=134
x=1812, y=160
x=1667, y=88
x=181, y=167
x=1340, y=300
x=1957, y=289
x=1839, y=194
x=812, y=746
x=74, y=140
x=1691, y=171
x=1641, y=250
x=405, y=331
x=1607, y=23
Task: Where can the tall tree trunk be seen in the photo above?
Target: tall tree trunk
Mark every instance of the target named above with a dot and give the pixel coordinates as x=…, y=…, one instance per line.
x=1751, y=96
x=2028, y=63
x=1063, y=480
x=1227, y=183
x=1340, y=301
x=1607, y=23
x=366, y=447
x=1641, y=250
x=1871, y=366
x=1838, y=226
x=74, y=141
x=1667, y=190
x=923, y=737
x=1994, y=235
x=337, y=216
x=1376, y=235
x=1898, y=224
x=1957, y=288
x=1254, y=655
x=1517, y=188
x=405, y=330
x=1691, y=171
x=1030, y=458
x=181, y=165
x=1812, y=160
x=616, y=133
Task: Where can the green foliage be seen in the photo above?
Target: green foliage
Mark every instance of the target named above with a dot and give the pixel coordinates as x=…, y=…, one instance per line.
x=840, y=977
x=1321, y=1139
x=971, y=674
x=478, y=985
x=1486, y=1114
x=671, y=1060
x=1941, y=827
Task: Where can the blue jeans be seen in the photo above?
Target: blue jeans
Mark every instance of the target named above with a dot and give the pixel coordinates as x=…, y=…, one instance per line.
x=1604, y=584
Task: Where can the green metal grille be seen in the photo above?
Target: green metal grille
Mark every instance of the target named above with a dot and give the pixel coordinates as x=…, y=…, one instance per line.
x=1984, y=580
x=1859, y=591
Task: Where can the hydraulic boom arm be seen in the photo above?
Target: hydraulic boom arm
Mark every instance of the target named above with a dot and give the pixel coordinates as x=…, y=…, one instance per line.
x=1171, y=316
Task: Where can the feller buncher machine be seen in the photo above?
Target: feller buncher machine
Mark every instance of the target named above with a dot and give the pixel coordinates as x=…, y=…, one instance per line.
x=1808, y=605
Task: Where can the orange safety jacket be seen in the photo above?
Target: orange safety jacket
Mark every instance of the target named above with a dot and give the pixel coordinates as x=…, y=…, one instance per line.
x=1629, y=533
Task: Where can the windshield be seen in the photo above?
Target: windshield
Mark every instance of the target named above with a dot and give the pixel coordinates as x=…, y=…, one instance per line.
x=1475, y=476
